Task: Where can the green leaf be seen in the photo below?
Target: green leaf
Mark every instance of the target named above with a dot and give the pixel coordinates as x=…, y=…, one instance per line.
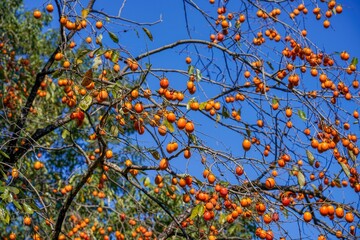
x=274, y=100
x=113, y=37
x=5, y=195
x=201, y=210
x=191, y=69
x=115, y=56
x=193, y=138
x=65, y=133
x=14, y=190
x=168, y=125
x=148, y=33
x=146, y=181
x=202, y=105
x=354, y=61
x=270, y=65
x=222, y=218
x=81, y=53
x=225, y=112
x=4, y=154
x=155, y=154
x=302, y=115
x=310, y=157
x=17, y=205
x=114, y=130
x=84, y=12
x=85, y=103
x=232, y=228
x=195, y=211
x=57, y=74
x=198, y=75
x=301, y=179
x=345, y=168
x=27, y=208
x=352, y=155
x=4, y=215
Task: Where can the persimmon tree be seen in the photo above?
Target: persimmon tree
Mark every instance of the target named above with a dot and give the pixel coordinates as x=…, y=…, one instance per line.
x=239, y=125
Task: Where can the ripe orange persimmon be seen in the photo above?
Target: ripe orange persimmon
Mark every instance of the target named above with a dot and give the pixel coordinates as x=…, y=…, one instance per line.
x=349, y=217
x=307, y=216
x=339, y=212
x=37, y=14
x=27, y=221
x=270, y=183
x=98, y=24
x=49, y=7
x=246, y=144
x=109, y=154
x=189, y=127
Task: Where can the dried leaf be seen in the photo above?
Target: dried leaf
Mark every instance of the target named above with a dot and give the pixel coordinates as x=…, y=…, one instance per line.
x=345, y=168
x=301, y=179
x=148, y=33
x=87, y=79
x=310, y=157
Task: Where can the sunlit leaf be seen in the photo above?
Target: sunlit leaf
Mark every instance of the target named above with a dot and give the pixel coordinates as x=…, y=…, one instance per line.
x=201, y=210
x=168, y=125
x=354, y=61
x=302, y=115
x=310, y=157
x=97, y=62
x=202, y=105
x=345, y=168
x=352, y=155
x=148, y=33
x=113, y=37
x=85, y=103
x=222, y=218
x=27, y=208
x=301, y=179
x=115, y=56
x=84, y=12
x=191, y=69
x=65, y=133
x=17, y=205
x=146, y=181
x=195, y=211
x=274, y=100
x=114, y=130
x=14, y=190
x=198, y=75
